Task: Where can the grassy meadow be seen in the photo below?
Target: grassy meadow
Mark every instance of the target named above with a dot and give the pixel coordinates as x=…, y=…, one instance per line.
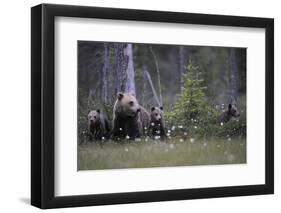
x=156, y=153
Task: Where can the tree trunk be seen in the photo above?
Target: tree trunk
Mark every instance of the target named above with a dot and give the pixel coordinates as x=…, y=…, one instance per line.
x=158, y=76
x=125, y=72
x=233, y=73
x=152, y=88
x=144, y=90
x=130, y=82
x=183, y=61
x=105, y=72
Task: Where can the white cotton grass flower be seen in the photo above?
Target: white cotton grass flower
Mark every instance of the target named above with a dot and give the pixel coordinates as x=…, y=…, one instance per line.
x=221, y=123
x=127, y=137
x=169, y=131
x=205, y=144
x=180, y=126
x=230, y=158
x=120, y=129
x=102, y=138
x=145, y=127
x=173, y=128
x=181, y=140
x=192, y=140
x=157, y=137
x=152, y=124
x=229, y=139
x=171, y=146
x=126, y=149
x=146, y=139
x=195, y=127
x=185, y=133
x=138, y=139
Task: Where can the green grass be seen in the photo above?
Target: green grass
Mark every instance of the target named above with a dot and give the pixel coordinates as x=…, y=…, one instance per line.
x=156, y=153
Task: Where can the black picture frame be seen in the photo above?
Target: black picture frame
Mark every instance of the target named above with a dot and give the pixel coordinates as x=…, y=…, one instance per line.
x=43, y=105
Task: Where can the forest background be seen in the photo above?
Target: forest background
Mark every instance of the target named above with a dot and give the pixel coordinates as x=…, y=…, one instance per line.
x=194, y=84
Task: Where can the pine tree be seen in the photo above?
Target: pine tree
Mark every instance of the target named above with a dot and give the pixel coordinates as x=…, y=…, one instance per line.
x=192, y=110
x=191, y=100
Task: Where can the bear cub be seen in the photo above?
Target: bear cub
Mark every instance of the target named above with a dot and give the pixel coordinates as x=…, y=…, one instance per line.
x=98, y=125
x=157, y=123
x=232, y=111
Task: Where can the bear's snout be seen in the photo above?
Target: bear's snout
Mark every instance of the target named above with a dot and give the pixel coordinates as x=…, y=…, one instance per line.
x=138, y=110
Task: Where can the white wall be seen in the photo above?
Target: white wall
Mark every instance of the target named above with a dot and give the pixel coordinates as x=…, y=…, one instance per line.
x=15, y=105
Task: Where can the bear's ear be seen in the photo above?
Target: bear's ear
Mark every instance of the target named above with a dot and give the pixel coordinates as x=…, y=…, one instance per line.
x=98, y=111
x=161, y=107
x=152, y=109
x=120, y=95
x=229, y=106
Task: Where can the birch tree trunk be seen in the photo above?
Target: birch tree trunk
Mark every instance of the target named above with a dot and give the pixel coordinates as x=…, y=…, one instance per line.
x=125, y=72
x=158, y=76
x=152, y=88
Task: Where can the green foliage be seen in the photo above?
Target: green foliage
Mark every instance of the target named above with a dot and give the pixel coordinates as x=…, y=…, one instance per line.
x=82, y=116
x=236, y=126
x=192, y=110
x=195, y=116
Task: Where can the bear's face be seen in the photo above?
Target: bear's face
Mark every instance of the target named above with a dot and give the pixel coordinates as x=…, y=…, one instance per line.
x=233, y=110
x=127, y=105
x=94, y=116
x=156, y=113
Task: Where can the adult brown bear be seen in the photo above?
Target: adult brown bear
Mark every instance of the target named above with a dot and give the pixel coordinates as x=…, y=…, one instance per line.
x=130, y=120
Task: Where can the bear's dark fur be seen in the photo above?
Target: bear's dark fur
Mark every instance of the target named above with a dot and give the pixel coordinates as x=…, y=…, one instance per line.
x=129, y=118
x=232, y=111
x=157, y=123
x=98, y=125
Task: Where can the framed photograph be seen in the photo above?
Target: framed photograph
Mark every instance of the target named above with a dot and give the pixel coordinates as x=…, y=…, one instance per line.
x=136, y=106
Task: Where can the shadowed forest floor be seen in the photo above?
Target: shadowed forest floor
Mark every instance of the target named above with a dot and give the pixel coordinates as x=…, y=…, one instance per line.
x=156, y=153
